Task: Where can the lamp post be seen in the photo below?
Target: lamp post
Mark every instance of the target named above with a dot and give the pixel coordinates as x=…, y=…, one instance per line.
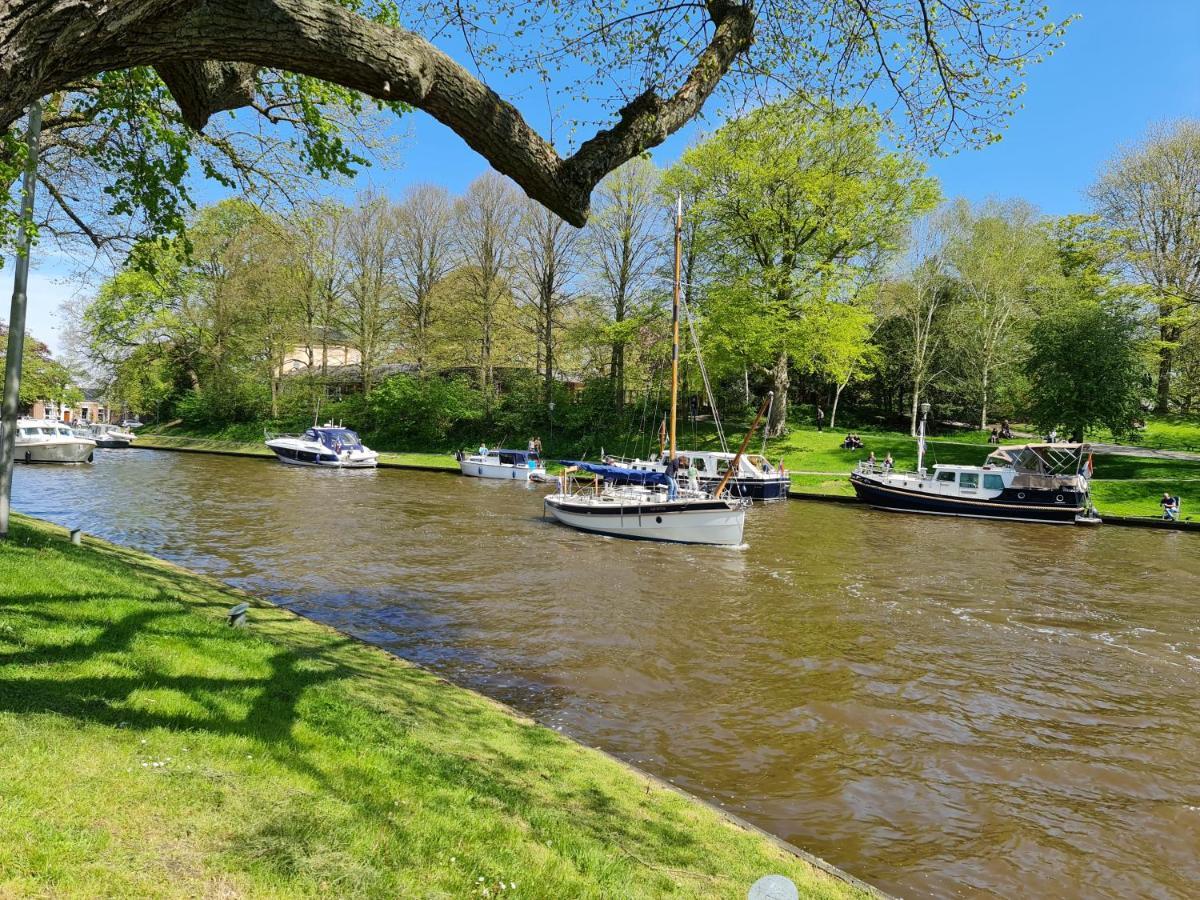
x=16, y=319
x=551, y=406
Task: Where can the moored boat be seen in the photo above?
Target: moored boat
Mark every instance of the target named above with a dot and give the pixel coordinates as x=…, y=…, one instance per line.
x=1025, y=483
x=657, y=509
x=649, y=513
x=755, y=478
x=509, y=465
x=328, y=446
x=47, y=441
x=111, y=437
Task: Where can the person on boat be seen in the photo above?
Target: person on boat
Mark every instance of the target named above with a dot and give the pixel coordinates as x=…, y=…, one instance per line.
x=483, y=449
x=672, y=473
x=888, y=463
x=537, y=445
x=871, y=462
x=531, y=445
x=1170, y=506
x=693, y=476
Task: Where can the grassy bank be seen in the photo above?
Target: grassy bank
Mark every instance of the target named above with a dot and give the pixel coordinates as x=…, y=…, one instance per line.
x=183, y=441
x=1123, y=485
x=146, y=749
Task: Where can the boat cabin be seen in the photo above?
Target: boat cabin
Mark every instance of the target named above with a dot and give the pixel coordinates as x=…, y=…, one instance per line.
x=336, y=439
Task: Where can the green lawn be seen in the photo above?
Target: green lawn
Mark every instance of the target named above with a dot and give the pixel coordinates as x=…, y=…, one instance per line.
x=146, y=749
x=184, y=441
x=1165, y=433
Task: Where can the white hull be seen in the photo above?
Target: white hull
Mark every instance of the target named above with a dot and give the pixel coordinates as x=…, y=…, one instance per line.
x=503, y=471
x=66, y=451
x=369, y=460
x=684, y=522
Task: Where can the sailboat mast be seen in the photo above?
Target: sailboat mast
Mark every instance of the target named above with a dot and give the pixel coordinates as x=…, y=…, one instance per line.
x=675, y=319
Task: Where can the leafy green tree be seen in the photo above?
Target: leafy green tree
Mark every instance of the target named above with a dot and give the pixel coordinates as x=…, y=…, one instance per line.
x=1087, y=359
x=804, y=204
x=1148, y=196
x=1085, y=368
x=42, y=376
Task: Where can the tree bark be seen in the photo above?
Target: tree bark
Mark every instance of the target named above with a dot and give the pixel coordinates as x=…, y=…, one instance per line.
x=1166, y=361
x=781, y=382
x=208, y=50
x=837, y=396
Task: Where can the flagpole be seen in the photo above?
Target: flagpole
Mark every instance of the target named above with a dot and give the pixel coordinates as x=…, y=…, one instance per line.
x=16, y=319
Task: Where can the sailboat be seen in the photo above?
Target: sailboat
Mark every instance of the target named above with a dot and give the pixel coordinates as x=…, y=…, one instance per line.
x=651, y=510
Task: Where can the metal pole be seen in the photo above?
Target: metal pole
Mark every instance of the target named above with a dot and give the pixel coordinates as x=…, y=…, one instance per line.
x=16, y=319
x=675, y=320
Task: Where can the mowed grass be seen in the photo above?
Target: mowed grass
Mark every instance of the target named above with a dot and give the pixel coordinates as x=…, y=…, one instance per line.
x=147, y=749
x=165, y=441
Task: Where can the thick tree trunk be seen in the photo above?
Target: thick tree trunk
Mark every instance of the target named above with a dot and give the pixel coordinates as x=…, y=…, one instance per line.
x=208, y=54
x=781, y=381
x=1166, y=361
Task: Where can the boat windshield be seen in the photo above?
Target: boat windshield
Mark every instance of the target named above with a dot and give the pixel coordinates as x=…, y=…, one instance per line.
x=334, y=438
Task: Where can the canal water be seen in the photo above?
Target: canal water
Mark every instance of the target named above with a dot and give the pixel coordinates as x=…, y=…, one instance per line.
x=943, y=707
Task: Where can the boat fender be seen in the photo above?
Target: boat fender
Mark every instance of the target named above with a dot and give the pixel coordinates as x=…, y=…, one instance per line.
x=91, y=457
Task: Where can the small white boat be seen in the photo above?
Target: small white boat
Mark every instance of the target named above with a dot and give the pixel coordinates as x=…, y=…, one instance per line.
x=756, y=478
x=633, y=511
x=47, y=441
x=111, y=437
x=328, y=446
x=509, y=465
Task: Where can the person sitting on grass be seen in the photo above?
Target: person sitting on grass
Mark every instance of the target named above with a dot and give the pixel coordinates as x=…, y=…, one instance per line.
x=994, y=437
x=1170, y=506
x=848, y=443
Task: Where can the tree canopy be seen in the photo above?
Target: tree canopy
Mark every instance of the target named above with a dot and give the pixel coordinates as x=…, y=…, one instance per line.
x=151, y=74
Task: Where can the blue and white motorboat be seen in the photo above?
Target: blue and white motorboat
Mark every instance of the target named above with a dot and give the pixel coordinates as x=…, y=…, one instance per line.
x=328, y=446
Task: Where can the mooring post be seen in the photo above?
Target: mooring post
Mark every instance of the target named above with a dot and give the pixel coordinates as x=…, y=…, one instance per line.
x=76, y=536
x=16, y=318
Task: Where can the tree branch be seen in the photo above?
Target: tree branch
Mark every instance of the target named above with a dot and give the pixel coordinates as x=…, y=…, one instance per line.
x=42, y=49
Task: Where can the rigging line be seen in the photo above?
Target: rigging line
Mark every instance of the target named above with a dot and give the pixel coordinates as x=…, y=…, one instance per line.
x=712, y=401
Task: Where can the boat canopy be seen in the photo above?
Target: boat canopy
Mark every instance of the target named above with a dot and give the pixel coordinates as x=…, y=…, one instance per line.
x=1041, y=466
x=624, y=473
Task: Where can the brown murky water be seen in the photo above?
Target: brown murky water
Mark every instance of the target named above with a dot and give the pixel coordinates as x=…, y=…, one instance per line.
x=943, y=707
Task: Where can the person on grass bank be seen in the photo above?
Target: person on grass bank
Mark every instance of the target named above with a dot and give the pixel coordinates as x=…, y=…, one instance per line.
x=1170, y=506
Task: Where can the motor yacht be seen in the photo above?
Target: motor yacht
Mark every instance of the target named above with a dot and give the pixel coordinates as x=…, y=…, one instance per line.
x=327, y=446
x=111, y=437
x=1025, y=483
x=47, y=441
x=510, y=465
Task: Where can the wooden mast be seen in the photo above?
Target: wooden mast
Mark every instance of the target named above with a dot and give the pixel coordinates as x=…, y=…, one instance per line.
x=675, y=319
x=737, y=459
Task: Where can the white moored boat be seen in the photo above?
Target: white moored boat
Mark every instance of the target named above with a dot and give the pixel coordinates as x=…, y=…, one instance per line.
x=111, y=437
x=509, y=465
x=656, y=509
x=47, y=441
x=329, y=446
x=643, y=512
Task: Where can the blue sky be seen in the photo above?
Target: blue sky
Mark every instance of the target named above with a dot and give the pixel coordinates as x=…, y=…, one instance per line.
x=1125, y=66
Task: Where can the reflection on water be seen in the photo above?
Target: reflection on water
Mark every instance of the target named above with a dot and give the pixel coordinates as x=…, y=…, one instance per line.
x=944, y=707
